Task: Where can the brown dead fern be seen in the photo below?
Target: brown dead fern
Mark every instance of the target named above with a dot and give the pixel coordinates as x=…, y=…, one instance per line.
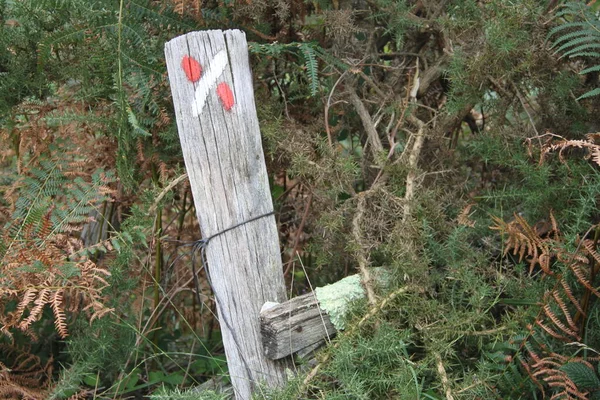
x=563, y=308
x=527, y=242
x=558, y=144
x=25, y=377
x=37, y=277
x=551, y=371
x=43, y=262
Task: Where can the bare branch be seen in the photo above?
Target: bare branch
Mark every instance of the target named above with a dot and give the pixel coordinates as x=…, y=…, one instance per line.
x=367, y=121
x=413, y=159
x=363, y=261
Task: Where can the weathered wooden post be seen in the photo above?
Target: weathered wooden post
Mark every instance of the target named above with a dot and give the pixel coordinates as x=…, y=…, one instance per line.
x=213, y=97
x=304, y=323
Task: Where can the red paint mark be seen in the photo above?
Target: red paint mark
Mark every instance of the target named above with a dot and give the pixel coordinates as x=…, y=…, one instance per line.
x=192, y=68
x=225, y=94
x=194, y=73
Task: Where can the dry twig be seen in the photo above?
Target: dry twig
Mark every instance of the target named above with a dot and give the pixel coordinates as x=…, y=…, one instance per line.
x=413, y=159
x=443, y=377
x=367, y=121
x=363, y=261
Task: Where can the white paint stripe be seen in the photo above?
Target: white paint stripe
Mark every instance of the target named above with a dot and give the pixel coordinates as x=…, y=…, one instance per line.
x=208, y=81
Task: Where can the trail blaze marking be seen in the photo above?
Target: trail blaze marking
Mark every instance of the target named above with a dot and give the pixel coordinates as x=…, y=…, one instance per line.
x=224, y=93
x=194, y=72
x=192, y=68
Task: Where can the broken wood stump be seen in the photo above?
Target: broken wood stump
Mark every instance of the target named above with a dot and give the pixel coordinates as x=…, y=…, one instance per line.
x=304, y=322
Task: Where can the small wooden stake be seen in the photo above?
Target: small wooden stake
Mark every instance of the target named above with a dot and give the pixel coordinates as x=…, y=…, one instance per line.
x=213, y=97
x=294, y=325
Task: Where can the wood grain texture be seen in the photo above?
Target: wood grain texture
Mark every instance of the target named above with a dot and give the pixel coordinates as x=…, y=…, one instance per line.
x=225, y=163
x=294, y=325
x=302, y=324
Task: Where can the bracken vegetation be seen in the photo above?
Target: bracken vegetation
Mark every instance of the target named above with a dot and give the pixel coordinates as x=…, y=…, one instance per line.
x=453, y=143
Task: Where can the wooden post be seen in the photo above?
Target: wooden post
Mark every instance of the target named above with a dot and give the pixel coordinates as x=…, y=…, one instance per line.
x=305, y=322
x=213, y=97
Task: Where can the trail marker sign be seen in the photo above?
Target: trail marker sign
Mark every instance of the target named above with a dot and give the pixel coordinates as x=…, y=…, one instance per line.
x=218, y=128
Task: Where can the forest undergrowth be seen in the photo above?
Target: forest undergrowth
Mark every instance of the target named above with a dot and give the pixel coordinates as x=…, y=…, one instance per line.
x=454, y=143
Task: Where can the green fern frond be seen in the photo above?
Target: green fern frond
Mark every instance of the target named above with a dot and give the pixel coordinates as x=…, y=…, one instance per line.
x=570, y=25
x=583, y=39
x=582, y=375
x=576, y=41
x=591, y=93
x=595, y=68
x=135, y=125
x=144, y=10
x=329, y=59
x=271, y=49
x=568, y=36
x=135, y=38
x=593, y=54
x=44, y=182
x=311, y=64
x=572, y=8
x=81, y=199
x=70, y=200
x=308, y=51
x=583, y=49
